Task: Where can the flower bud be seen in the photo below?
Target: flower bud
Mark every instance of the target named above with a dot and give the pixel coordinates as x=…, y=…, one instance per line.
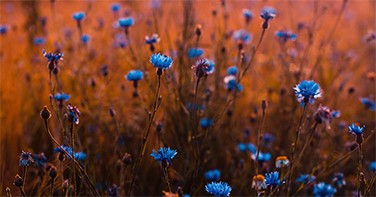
x=45, y=113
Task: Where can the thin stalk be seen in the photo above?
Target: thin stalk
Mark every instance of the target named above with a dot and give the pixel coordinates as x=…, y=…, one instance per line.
x=52, y=187
x=74, y=169
x=259, y=137
x=371, y=182
x=308, y=142
x=22, y=192
x=165, y=172
x=360, y=162
x=129, y=44
x=24, y=178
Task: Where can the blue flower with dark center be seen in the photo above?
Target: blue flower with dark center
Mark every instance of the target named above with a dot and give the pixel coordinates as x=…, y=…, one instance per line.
x=368, y=103
x=65, y=147
x=356, y=130
x=126, y=22
x=152, y=39
x=372, y=166
x=218, y=189
x=206, y=123
x=268, y=13
x=40, y=160
x=213, y=175
x=323, y=190
x=114, y=191
x=134, y=75
x=285, y=35
x=232, y=70
x=39, y=40
x=272, y=179
x=305, y=178
x=61, y=97
x=78, y=16
x=231, y=83
x=164, y=154
x=262, y=157
x=307, y=92
x=161, y=61
x=242, y=35
x=25, y=159
x=339, y=180
x=53, y=56
x=115, y=7
x=3, y=29
x=195, y=52
x=85, y=38
x=80, y=156
x=248, y=15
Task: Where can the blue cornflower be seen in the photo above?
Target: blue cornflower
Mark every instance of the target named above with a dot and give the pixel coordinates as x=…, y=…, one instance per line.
x=213, y=175
x=80, y=156
x=285, y=35
x=262, y=157
x=248, y=15
x=305, y=178
x=339, y=180
x=218, y=189
x=115, y=7
x=3, y=29
x=164, y=154
x=368, y=103
x=126, y=22
x=152, y=39
x=25, y=159
x=242, y=35
x=61, y=97
x=251, y=148
x=78, y=16
x=134, y=75
x=267, y=138
x=268, y=13
x=336, y=114
x=40, y=160
x=323, y=190
x=65, y=147
x=356, y=130
x=232, y=70
x=231, y=83
x=113, y=191
x=203, y=67
x=85, y=38
x=39, y=40
x=307, y=92
x=195, y=52
x=73, y=114
x=272, y=179
x=161, y=61
x=242, y=147
x=53, y=57
x=206, y=123
x=372, y=166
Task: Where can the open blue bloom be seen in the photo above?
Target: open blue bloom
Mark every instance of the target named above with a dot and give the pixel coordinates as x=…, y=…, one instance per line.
x=307, y=92
x=115, y=7
x=339, y=180
x=248, y=15
x=232, y=70
x=272, y=179
x=242, y=35
x=372, y=166
x=73, y=114
x=78, y=16
x=206, y=123
x=213, y=175
x=268, y=13
x=368, y=103
x=65, y=147
x=53, y=56
x=251, y=148
x=195, y=52
x=152, y=39
x=285, y=35
x=134, y=75
x=356, y=130
x=161, y=61
x=305, y=178
x=85, y=38
x=232, y=84
x=25, y=159
x=262, y=157
x=39, y=40
x=40, y=160
x=218, y=189
x=126, y=22
x=80, y=156
x=61, y=97
x=113, y=191
x=242, y=147
x=164, y=154
x=323, y=190
x=3, y=29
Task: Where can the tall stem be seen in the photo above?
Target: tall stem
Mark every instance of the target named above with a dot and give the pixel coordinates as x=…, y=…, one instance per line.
x=165, y=172
x=24, y=178
x=360, y=163
x=72, y=146
x=259, y=137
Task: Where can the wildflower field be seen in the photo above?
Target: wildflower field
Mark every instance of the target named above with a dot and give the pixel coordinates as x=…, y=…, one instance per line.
x=187, y=98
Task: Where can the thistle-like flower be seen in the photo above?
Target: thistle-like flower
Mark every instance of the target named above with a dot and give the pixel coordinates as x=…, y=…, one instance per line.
x=53, y=59
x=25, y=159
x=73, y=114
x=323, y=190
x=267, y=13
x=203, y=67
x=213, y=175
x=218, y=189
x=164, y=155
x=272, y=179
x=307, y=92
x=358, y=131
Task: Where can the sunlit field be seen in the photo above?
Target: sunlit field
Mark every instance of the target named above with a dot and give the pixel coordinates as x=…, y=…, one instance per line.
x=187, y=98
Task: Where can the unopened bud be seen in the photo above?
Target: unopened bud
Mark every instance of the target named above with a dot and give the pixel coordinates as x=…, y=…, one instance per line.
x=45, y=113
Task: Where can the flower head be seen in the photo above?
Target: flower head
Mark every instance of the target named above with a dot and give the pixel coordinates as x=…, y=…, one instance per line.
x=195, y=52
x=368, y=103
x=262, y=157
x=372, y=166
x=65, y=147
x=39, y=40
x=152, y=39
x=113, y=191
x=323, y=190
x=307, y=92
x=61, y=97
x=3, y=29
x=85, y=38
x=213, y=175
x=53, y=57
x=134, y=75
x=40, y=160
x=73, y=114
x=242, y=147
x=285, y=35
x=78, y=16
x=218, y=188
x=232, y=84
x=355, y=129
x=305, y=178
x=272, y=179
x=115, y=7
x=206, y=123
x=80, y=156
x=268, y=13
x=161, y=61
x=251, y=148
x=258, y=182
x=248, y=15
x=323, y=115
x=126, y=22
x=25, y=159
x=339, y=180
x=164, y=154
x=243, y=36
x=282, y=161
x=203, y=67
